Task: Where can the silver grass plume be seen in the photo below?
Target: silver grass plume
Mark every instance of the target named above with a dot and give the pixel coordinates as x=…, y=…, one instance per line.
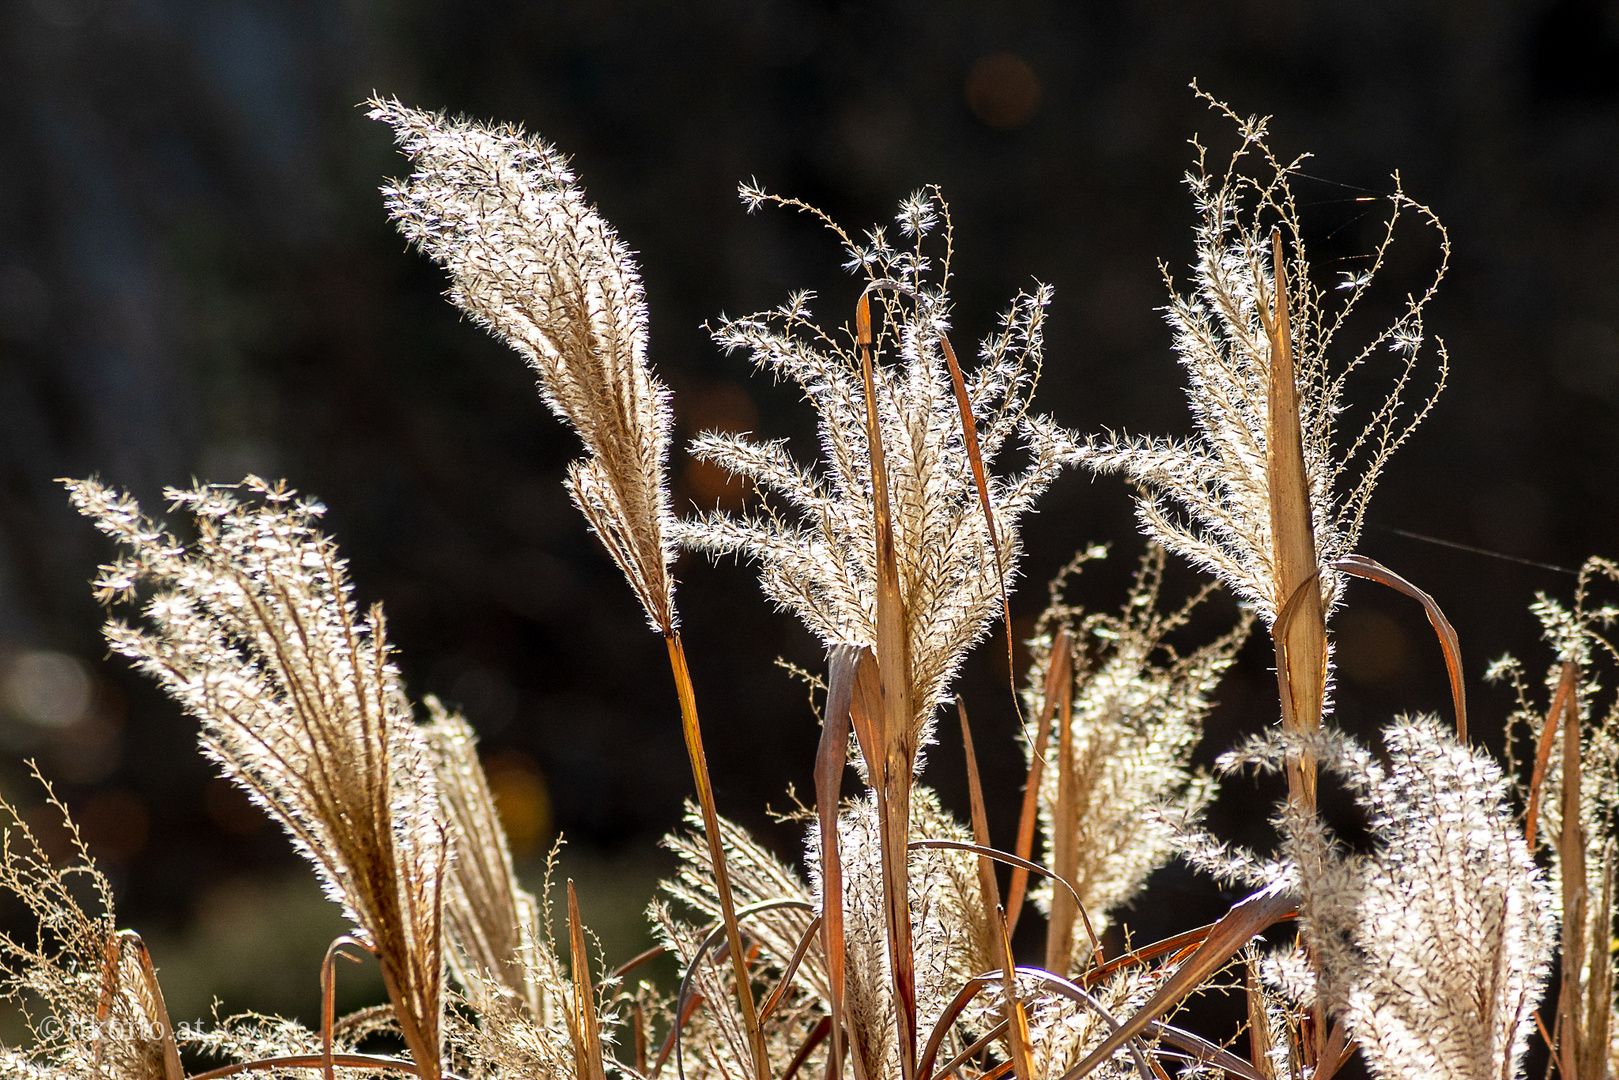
x=534, y=263
x=713, y=1036
x=1582, y=851
x=252, y=629
x=1206, y=497
x=87, y=1002
x=949, y=933
x=496, y=945
x=1435, y=946
x=812, y=535
x=1136, y=714
x=712, y=1044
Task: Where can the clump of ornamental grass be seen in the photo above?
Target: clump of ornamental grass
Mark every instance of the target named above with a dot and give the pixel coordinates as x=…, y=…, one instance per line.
x=250, y=626
x=889, y=955
x=897, y=550
x=1572, y=815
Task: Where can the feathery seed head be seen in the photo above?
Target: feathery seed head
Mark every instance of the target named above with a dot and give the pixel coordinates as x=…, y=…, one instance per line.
x=949, y=932
x=534, y=263
x=813, y=535
x=1136, y=716
x=495, y=944
x=252, y=629
x=1435, y=946
x=1208, y=497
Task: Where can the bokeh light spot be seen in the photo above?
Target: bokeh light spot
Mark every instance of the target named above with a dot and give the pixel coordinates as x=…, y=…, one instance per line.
x=521, y=798
x=46, y=688
x=1003, y=90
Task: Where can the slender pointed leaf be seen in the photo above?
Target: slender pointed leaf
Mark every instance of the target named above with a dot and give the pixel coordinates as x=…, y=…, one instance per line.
x=1303, y=677
x=1059, y=677
x=1566, y=683
x=1065, y=843
x=1571, y=869
x=990, y=895
x=1371, y=570
x=582, y=1025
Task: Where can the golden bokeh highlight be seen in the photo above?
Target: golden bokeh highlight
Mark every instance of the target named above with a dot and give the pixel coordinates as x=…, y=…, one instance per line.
x=521, y=798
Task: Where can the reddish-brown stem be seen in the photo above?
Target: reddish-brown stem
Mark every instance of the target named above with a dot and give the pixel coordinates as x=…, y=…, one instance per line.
x=1566, y=682
x=892, y=779
x=1059, y=677
x=716, y=852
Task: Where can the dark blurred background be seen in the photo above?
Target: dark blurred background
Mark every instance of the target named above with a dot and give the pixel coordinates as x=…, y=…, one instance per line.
x=197, y=280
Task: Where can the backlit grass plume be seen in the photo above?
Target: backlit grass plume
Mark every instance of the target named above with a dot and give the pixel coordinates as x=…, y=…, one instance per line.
x=778, y=915
x=1435, y=946
x=88, y=992
x=250, y=627
x=949, y=933
x=814, y=533
x=495, y=943
x=1572, y=802
x=1210, y=497
x=1268, y=494
x=533, y=262
x=1118, y=764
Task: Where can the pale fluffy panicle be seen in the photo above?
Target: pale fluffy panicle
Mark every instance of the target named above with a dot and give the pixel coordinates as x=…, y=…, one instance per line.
x=1206, y=497
x=533, y=262
x=496, y=943
x=950, y=933
x=250, y=626
x=1436, y=945
x=1136, y=716
x=813, y=533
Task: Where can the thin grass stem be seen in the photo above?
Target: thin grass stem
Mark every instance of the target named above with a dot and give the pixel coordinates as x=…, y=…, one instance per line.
x=716, y=852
